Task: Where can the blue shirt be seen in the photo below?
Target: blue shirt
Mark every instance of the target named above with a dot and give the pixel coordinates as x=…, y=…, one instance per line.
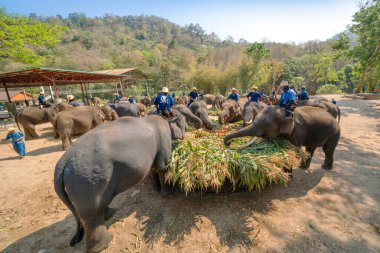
x=193, y=95
x=41, y=100
x=234, y=96
x=254, y=97
x=131, y=100
x=163, y=102
x=287, y=96
x=117, y=97
x=14, y=136
x=304, y=95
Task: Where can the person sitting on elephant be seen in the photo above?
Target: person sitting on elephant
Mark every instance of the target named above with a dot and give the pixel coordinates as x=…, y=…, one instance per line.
x=163, y=103
x=131, y=99
x=254, y=96
x=193, y=96
x=234, y=95
x=274, y=93
x=287, y=99
x=71, y=101
x=42, y=101
x=333, y=101
x=292, y=89
x=304, y=96
x=17, y=140
x=116, y=97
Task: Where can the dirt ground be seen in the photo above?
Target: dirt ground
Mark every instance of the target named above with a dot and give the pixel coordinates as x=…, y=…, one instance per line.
x=319, y=211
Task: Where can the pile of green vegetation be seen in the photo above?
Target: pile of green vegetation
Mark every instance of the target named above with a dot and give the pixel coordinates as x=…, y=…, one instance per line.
x=201, y=162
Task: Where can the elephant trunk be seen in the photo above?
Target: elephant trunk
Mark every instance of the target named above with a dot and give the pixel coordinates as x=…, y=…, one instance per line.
x=246, y=131
x=192, y=118
x=206, y=120
x=223, y=116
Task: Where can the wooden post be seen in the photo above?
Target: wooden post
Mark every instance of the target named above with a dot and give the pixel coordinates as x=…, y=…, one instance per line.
x=51, y=94
x=81, y=86
x=6, y=91
x=121, y=87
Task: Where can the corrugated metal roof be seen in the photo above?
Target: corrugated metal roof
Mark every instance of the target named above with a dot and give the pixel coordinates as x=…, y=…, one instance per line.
x=134, y=72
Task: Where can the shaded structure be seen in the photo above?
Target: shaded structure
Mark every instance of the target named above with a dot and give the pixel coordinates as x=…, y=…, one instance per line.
x=55, y=77
x=16, y=96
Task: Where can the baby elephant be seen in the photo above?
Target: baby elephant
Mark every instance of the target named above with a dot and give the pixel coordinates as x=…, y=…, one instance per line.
x=107, y=161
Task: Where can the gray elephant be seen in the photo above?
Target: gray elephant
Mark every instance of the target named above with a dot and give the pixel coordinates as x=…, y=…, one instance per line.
x=218, y=102
x=311, y=127
x=208, y=98
x=199, y=109
x=190, y=117
x=232, y=111
x=146, y=101
x=325, y=105
x=142, y=108
x=80, y=120
x=29, y=117
x=126, y=109
x=107, y=161
x=251, y=110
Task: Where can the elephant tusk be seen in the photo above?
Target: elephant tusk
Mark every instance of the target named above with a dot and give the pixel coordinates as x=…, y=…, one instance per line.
x=249, y=122
x=248, y=144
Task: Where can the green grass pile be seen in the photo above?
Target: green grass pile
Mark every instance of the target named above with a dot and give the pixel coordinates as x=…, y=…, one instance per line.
x=201, y=162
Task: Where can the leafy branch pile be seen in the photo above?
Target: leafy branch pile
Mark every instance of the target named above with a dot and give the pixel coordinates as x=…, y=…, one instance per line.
x=202, y=162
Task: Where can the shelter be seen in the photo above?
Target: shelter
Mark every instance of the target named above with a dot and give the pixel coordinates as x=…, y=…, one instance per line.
x=128, y=74
x=48, y=76
x=16, y=96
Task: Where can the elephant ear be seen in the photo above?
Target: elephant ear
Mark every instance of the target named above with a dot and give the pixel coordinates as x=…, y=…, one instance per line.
x=287, y=126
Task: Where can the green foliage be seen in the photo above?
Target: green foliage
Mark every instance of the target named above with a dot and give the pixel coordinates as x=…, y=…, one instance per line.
x=24, y=39
x=329, y=89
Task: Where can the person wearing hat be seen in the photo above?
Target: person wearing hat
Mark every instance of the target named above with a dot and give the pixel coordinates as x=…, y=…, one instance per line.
x=234, y=95
x=254, y=96
x=17, y=140
x=71, y=101
x=287, y=98
x=131, y=99
x=193, y=95
x=42, y=101
x=116, y=97
x=163, y=103
x=304, y=96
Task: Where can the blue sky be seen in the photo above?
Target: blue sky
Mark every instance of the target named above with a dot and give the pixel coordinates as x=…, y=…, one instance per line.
x=271, y=20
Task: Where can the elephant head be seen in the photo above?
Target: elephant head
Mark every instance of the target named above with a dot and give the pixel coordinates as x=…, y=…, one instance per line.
x=177, y=125
x=219, y=100
x=109, y=113
x=251, y=110
x=199, y=109
x=231, y=110
x=269, y=123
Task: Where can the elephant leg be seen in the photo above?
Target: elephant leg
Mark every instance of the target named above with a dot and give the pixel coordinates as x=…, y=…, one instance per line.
x=97, y=236
x=79, y=234
x=162, y=168
x=109, y=213
x=155, y=181
x=65, y=142
x=305, y=164
x=329, y=149
x=71, y=140
x=30, y=131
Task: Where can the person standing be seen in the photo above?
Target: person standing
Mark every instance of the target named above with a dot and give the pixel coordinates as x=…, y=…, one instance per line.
x=17, y=141
x=234, y=95
x=254, y=96
x=193, y=95
x=164, y=102
x=287, y=98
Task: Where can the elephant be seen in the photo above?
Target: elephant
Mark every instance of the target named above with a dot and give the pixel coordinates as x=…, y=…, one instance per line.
x=185, y=99
x=80, y=120
x=109, y=160
x=190, y=117
x=179, y=100
x=232, y=111
x=311, y=127
x=126, y=109
x=109, y=113
x=199, y=109
x=142, y=108
x=320, y=98
x=29, y=117
x=95, y=101
x=219, y=100
x=251, y=110
x=325, y=105
x=146, y=101
x=208, y=98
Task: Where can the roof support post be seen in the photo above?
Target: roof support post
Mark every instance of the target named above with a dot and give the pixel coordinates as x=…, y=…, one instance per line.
x=84, y=97
x=56, y=94
x=51, y=94
x=6, y=91
x=121, y=87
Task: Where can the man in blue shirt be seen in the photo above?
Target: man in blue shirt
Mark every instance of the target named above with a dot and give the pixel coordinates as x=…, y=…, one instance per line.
x=234, y=95
x=42, y=101
x=304, y=96
x=116, y=98
x=71, y=101
x=17, y=141
x=287, y=98
x=131, y=99
x=163, y=103
x=193, y=96
x=254, y=96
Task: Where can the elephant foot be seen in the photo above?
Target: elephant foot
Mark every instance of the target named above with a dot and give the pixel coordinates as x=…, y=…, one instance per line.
x=327, y=167
x=101, y=242
x=165, y=191
x=77, y=237
x=109, y=213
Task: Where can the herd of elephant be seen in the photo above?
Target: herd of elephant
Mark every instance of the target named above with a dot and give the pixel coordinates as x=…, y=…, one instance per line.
x=112, y=158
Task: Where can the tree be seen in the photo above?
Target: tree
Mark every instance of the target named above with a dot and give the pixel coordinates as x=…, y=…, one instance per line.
x=21, y=37
x=257, y=52
x=367, y=52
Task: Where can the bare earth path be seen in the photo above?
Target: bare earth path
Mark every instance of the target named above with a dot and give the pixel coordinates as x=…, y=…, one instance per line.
x=319, y=211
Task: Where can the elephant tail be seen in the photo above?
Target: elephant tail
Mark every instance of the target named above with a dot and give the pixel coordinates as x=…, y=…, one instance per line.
x=338, y=114
x=59, y=186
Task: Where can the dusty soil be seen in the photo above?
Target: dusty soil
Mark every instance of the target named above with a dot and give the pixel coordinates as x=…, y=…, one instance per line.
x=319, y=211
